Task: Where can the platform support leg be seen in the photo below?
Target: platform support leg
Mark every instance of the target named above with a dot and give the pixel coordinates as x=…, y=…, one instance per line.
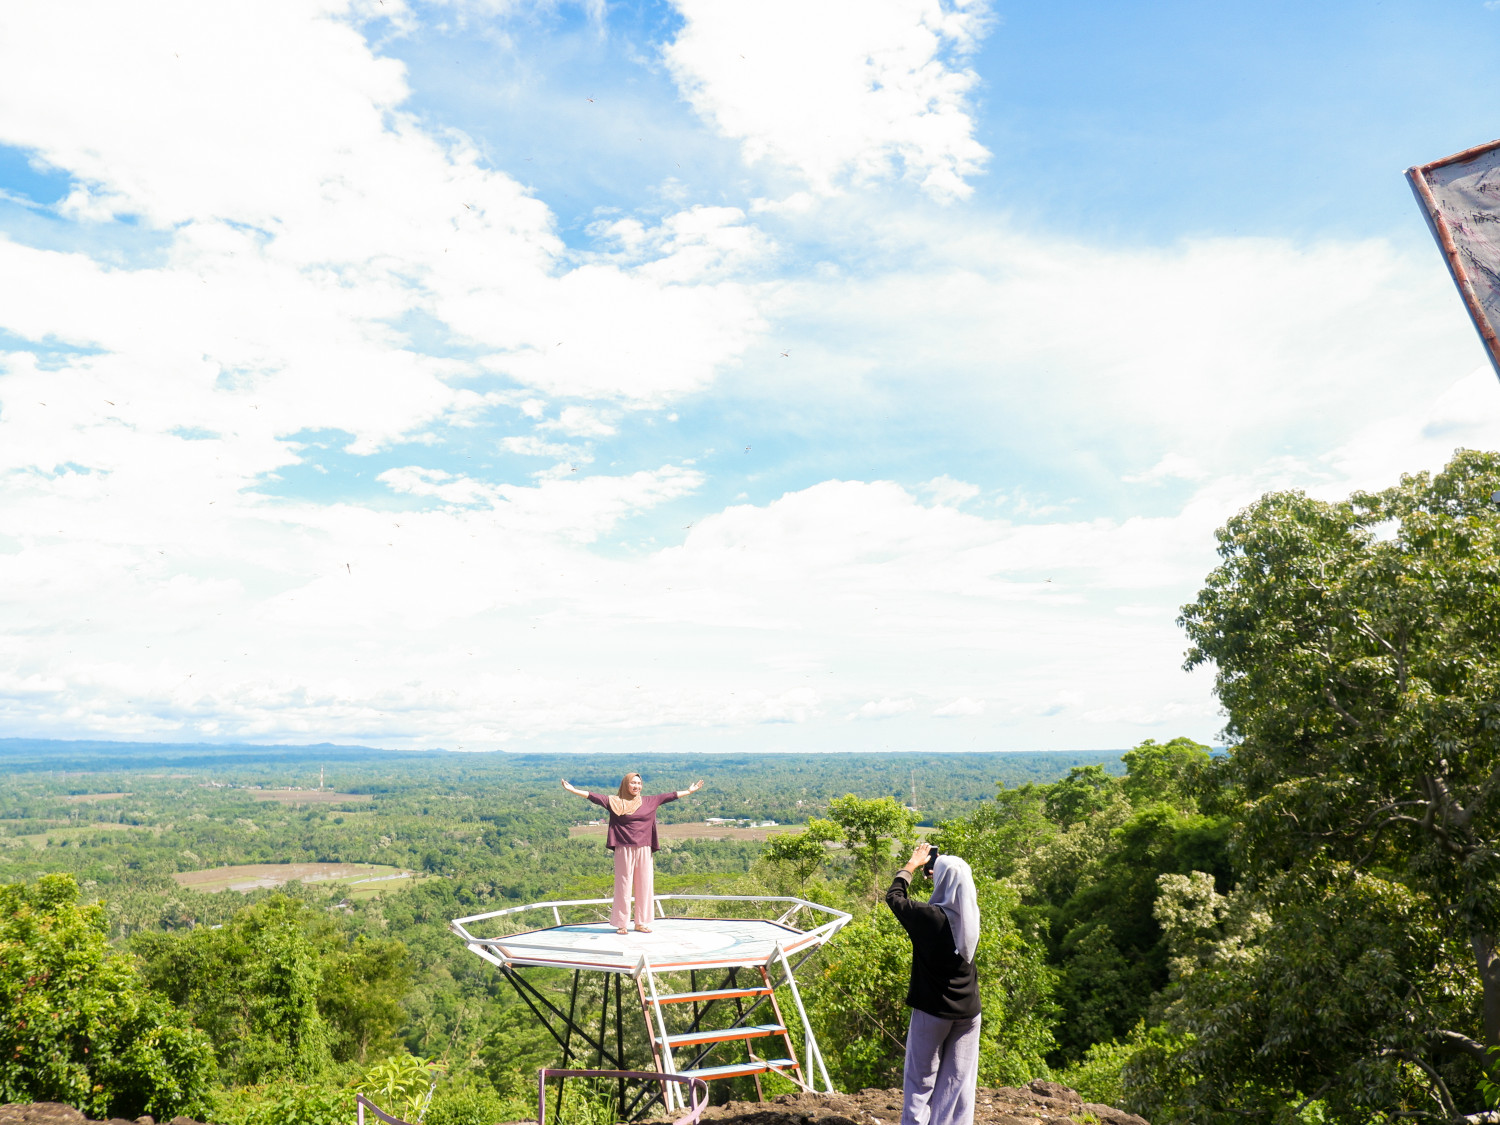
x=567, y=1058
x=619, y=1039
x=811, y=1040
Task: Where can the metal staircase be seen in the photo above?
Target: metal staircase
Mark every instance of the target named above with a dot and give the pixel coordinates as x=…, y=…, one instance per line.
x=712, y=1026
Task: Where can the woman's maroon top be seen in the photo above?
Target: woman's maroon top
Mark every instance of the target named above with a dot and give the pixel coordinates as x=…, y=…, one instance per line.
x=633, y=830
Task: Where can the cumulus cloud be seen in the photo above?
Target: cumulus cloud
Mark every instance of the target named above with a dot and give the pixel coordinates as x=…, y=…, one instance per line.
x=302, y=212
x=839, y=93
x=273, y=243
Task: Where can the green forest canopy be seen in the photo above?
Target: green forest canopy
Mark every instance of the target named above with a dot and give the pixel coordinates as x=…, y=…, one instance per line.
x=1302, y=929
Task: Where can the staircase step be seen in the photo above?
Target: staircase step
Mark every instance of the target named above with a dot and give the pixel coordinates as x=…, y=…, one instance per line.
x=713, y=994
x=735, y=1070
x=725, y=1035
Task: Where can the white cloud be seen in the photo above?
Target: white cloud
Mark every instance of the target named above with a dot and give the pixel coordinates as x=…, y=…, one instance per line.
x=1171, y=466
x=949, y=492
x=845, y=92
x=1183, y=363
x=960, y=707
x=303, y=210
x=581, y=421
x=883, y=708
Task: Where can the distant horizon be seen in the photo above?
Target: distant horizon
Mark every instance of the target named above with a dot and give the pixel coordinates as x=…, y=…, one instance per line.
x=335, y=747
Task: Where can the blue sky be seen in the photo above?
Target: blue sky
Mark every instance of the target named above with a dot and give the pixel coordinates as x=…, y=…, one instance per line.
x=698, y=374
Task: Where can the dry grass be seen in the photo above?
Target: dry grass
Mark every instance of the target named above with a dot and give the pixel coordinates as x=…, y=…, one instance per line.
x=306, y=796
x=693, y=831
x=360, y=877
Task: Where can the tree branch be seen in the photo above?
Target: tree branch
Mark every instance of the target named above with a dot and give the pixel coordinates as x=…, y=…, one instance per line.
x=1439, y=1087
x=1460, y=1042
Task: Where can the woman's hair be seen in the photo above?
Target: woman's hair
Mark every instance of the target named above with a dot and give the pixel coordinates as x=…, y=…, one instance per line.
x=624, y=784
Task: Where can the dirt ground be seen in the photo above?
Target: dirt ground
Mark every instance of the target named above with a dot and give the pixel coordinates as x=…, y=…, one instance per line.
x=1040, y=1103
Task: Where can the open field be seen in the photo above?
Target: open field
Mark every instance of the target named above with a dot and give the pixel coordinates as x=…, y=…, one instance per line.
x=77, y=798
x=693, y=831
x=259, y=876
x=58, y=835
x=307, y=796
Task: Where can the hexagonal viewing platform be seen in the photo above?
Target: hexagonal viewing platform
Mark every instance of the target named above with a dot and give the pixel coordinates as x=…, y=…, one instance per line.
x=765, y=938
x=676, y=942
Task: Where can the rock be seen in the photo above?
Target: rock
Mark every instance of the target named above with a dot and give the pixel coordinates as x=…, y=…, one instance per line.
x=1111, y=1116
x=1054, y=1090
x=55, y=1113
x=41, y=1113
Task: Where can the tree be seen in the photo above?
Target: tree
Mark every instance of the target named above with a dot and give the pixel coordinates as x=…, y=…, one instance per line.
x=281, y=990
x=1334, y=1001
x=999, y=834
x=1358, y=661
x=1170, y=772
x=869, y=828
x=801, y=854
x=1085, y=791
x=77, y=1025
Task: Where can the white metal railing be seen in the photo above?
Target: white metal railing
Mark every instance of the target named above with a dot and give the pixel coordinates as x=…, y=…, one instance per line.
x=838, y=919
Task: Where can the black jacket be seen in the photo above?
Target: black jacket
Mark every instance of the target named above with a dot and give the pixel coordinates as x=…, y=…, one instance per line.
x=943, y=984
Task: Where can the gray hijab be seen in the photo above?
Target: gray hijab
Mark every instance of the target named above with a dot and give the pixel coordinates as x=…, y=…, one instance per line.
x=953, y=893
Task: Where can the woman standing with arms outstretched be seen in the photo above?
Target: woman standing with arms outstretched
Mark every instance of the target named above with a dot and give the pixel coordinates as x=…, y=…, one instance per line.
x=942, y=1041
x=632, y=837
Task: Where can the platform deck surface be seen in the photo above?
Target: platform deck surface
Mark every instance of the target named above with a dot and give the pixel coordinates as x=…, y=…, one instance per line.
x=674, y=943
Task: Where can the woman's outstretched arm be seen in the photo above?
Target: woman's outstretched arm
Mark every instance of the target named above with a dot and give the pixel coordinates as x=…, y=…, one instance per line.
x=573, y=789
x=690, y=790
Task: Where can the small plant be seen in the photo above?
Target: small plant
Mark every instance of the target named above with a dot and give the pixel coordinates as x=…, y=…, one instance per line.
x=587, y=1102
x=401, y=1085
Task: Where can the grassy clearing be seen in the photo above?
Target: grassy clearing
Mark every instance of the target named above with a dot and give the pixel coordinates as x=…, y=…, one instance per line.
x=306, y=796
x=363, y=879
x=40, y=840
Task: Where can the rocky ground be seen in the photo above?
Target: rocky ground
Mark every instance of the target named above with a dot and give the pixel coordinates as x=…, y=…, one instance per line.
x=55, y=1113
x=1040, y=1103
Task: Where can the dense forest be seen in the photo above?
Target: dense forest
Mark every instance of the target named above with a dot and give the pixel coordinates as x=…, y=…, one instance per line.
x=1303, y=927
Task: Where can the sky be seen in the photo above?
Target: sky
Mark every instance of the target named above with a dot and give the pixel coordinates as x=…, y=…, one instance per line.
x=720, y=375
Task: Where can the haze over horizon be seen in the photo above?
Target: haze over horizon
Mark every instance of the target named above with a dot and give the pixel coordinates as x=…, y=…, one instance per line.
x=695, y=374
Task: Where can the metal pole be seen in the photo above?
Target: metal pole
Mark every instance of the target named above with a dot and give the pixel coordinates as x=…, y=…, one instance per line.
x=568, y=1040
x=812, y=1040
x=604, y=1027
x=619, y=1038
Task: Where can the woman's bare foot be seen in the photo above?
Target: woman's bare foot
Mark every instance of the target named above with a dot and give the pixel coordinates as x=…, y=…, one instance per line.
x=642, y=929
x=622, y=930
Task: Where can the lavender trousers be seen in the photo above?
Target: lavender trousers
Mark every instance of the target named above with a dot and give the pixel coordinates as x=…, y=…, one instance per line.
x=942, y=1069
x=632, y=869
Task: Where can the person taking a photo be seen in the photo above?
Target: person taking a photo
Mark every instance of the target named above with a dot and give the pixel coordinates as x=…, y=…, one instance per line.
x=942, y=1040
